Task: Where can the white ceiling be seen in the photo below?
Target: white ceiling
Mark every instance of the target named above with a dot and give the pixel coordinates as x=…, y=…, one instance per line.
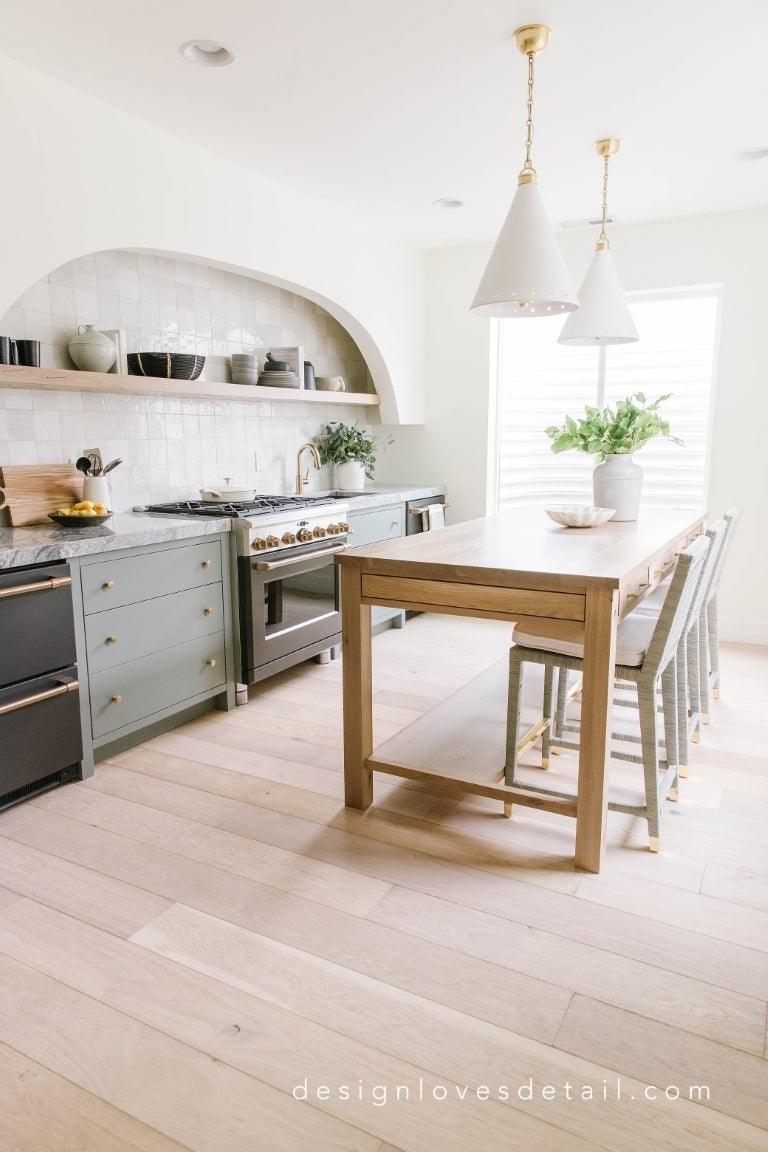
x=390, y=105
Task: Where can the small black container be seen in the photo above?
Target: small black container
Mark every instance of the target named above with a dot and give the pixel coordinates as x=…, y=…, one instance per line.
x=6, y=350
x=26, y=352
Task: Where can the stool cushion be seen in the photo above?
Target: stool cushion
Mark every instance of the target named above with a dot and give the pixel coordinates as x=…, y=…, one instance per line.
x=634, y=636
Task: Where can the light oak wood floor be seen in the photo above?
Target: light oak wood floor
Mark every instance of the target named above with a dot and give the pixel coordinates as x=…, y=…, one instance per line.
x=202, y=929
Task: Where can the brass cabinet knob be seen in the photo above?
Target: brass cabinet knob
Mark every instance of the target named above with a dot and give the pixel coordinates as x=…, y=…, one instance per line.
x=111, y=640
x=211, y=663
x=207, y=611
x=117, y=700
x=206, y=564
x=108, y=584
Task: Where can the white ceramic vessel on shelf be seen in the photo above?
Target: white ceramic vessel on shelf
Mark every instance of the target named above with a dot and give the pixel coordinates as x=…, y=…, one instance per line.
x=617, y=483
x=91, y=350
x=578, y=515
x=350, y=476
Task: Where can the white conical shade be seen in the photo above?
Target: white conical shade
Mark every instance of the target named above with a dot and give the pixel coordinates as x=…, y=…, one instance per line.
x=526, y=274
x=603, y=317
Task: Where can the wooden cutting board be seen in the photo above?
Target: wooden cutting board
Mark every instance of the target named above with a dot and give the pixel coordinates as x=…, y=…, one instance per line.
x=31, y=491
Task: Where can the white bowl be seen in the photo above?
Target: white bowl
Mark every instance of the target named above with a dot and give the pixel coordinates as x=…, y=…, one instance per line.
x=578, y=515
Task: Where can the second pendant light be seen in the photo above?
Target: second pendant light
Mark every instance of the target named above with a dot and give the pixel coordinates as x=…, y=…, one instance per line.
x=603, y=316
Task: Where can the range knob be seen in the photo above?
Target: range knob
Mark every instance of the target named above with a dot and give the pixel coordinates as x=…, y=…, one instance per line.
x=288, y=538
x=259, y=545
x=319, y=531
x=272, y=542
x=343, y=526
x=333, y=529
x=304, y=535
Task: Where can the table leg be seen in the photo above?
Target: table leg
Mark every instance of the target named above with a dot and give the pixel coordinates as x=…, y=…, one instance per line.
x=596, y=707
x=358, y=691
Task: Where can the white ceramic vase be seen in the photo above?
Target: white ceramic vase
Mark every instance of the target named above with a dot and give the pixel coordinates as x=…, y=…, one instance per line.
x=91, y=350
x=616, y=483
x=350, y=476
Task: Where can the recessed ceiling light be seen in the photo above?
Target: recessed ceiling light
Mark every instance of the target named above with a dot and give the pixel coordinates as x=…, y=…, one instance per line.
x=447, y=202
x=752, y=154
x=207, y=53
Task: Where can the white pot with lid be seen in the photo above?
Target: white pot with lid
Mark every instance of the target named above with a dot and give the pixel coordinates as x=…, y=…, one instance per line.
x=226, y=492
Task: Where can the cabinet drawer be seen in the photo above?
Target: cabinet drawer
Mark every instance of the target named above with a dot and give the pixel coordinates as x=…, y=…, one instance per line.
x=122, y=634
x=381, y=524
x=138, y=690
x=113, y=583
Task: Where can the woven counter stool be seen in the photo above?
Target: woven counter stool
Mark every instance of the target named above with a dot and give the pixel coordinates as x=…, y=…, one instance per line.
x=646, y=655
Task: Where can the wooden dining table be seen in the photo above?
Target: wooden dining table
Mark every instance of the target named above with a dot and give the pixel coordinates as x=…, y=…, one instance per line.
x=516, y=566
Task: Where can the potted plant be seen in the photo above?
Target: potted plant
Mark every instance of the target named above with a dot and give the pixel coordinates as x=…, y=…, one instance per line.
x=613, y=436
x=351, y=451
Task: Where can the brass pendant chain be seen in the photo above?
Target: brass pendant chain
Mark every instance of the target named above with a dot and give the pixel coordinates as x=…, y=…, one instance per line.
x=602, y=240
x=528, y=165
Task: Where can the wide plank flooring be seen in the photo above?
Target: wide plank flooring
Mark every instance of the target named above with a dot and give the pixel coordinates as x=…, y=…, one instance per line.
x=201, y=948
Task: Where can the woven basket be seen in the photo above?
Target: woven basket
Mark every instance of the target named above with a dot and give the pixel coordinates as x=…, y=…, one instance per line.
x=166, y=365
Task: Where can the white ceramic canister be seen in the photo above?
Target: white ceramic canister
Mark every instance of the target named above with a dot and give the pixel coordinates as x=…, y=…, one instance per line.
x=96, y=489
x=91, y=350
x=617, y=483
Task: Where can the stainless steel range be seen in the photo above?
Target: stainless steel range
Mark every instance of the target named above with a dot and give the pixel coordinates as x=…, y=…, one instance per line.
x=288, y=582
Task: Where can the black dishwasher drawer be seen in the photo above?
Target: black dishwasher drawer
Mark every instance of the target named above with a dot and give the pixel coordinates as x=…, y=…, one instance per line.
x=40, y=736
x=37, y=631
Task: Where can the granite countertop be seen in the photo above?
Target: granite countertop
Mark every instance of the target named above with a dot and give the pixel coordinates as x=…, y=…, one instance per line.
x=40, y=543
x=380, y=495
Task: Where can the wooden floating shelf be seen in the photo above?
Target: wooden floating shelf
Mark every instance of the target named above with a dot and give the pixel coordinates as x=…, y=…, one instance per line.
x=64, y=379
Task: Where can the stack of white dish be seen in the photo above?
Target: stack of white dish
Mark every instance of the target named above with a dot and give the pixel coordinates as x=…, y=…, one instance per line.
x=277, y=379
x=245, y=368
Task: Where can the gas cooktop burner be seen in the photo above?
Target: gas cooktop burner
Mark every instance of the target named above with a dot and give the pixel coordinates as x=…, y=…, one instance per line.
x=260, y=505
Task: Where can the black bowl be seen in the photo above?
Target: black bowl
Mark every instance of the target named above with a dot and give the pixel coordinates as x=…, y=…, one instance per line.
x=165, y=365
x=79, y=521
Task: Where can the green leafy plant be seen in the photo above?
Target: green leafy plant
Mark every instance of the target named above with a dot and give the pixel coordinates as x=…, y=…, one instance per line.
x=338, y=442
x=613, y=432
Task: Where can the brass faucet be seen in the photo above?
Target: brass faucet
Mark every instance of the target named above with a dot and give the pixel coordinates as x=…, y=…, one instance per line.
x=302, y=482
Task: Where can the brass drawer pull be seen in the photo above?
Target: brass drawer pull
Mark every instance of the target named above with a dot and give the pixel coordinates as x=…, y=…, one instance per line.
x=206, y=564
x=207, y=611
x=108, y=584
x=111, y=640
x=39, y=586
x=116, y=700
x=211, y=663
x=38, y=697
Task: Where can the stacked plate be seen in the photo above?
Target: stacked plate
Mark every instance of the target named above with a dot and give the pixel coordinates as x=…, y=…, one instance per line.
x=279, y=379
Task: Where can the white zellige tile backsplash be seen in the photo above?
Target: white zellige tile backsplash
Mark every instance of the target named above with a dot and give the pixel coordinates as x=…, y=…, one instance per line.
x=171, y=446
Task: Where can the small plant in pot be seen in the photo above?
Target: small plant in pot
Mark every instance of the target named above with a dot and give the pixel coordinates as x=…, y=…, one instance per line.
x=350, y=450
x=613, y=436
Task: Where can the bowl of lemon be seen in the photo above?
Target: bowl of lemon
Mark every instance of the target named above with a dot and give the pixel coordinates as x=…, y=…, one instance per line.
x=84, y=514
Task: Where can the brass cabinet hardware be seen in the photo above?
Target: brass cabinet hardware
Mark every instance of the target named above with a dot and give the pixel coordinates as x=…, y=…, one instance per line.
x=211, y=663
x=38, y=697
x=39, y=586
x=207, y=611
x=206, y=564
x=111, y=640
x=116, y=700
x=108, y=584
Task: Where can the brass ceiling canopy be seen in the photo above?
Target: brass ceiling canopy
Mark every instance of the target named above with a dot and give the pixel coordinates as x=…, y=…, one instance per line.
x=532, y=38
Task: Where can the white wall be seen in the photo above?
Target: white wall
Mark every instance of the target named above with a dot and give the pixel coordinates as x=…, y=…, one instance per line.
x=727, y=249
x=81, y=176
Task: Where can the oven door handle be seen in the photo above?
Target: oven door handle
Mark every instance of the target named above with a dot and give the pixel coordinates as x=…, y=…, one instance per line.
x=46, y=585
x=269, y=565
x=61, y=689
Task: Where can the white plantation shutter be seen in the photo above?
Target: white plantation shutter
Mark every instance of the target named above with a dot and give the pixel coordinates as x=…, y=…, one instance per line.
x=540, y=381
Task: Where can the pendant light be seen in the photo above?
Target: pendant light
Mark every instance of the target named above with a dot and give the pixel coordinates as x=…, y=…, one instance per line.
x=526, y=274
x=603, y=317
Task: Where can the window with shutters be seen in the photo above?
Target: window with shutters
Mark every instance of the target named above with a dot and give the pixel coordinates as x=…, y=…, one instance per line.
x=540, y=381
